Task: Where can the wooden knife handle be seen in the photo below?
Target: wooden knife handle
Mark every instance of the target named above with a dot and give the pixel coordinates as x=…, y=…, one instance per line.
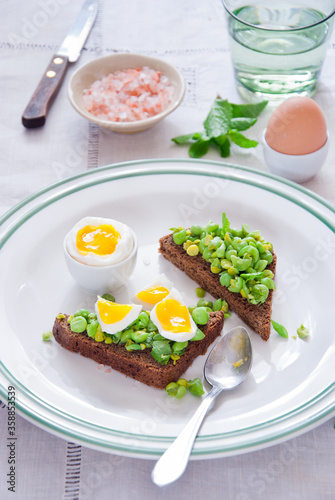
x=35, y=113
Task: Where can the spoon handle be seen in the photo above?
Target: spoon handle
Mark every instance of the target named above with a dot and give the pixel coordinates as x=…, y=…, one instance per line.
x=173, y=462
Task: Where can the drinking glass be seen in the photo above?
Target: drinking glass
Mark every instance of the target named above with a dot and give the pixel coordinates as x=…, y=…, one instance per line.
x=278, y=46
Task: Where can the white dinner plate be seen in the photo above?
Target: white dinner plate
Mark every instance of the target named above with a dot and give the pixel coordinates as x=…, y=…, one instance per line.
x=291, y=386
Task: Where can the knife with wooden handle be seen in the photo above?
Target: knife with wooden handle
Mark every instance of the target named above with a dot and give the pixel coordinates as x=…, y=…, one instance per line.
x=36, y=111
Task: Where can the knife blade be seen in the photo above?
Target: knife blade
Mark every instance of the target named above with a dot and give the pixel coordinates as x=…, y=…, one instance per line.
x=36, y=111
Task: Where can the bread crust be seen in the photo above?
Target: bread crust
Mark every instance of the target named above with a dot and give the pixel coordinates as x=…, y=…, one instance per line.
x=258, y=317
x=139, y=365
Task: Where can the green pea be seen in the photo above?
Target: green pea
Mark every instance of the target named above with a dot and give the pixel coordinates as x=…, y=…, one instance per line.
x=211, y=227
x=220, y=252
x=201, y=246
x=47, y=336
x=226, y=264
x=182, y=381
x=247, y=251
x=261, y=265
x=125, y=335
x=225, y=279
x=92, y=328
x=180, y=237
x=239, y=263
x=260, y=293
x=217, y=305
x=78, y=324
x=192, y=250
x=255, y=234
x=139, y=336
x=175, y=390
x=207, y=253
x=92, y=317
x=200, y=292
x=236, y=284
x=268, y=256
x=269, y=283
x=196, y=230
x=205, y=303
x=195, y=387
x=200, y=315
x=229, y=253
x=82, y=312
x=215, y=243
x=240, y=245
x=260, y=247
x=236, y=232
x=198, y=336
x=108, y=296
x=302, y=331
x=245, y=229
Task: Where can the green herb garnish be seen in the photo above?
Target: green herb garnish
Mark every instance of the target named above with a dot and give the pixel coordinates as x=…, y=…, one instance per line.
x=280, y=329
x=223, y=125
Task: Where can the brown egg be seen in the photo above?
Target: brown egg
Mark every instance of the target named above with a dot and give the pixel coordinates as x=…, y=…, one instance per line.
x=297, y=127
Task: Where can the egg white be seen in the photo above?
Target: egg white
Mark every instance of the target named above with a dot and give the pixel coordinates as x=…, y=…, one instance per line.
x=160, y=280
x=122, y=250
x=178, y=337
x=112, y=328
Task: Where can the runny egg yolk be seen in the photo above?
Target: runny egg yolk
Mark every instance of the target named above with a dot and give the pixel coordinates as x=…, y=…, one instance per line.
x=173, y=316
x=153, y=295
x=100, y=240
x=110, y=312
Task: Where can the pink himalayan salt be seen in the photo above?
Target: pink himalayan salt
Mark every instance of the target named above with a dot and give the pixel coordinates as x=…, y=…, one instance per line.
x=129, y=95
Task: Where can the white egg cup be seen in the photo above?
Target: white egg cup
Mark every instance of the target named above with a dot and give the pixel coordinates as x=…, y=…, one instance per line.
x=101, y=279
x=297, y=168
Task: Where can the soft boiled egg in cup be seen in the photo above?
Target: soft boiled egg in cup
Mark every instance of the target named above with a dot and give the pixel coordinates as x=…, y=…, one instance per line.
x=173, y=319
x=296, y=141
x=100, y=253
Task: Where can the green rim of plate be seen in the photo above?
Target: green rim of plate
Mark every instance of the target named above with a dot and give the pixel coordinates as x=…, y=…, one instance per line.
x=234, y=174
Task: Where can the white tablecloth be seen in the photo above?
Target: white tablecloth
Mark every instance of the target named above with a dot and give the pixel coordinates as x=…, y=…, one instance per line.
x=192, y=36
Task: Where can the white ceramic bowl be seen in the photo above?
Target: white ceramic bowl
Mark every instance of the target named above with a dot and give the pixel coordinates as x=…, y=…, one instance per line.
x=103, y=66
x=101, y=279
x=297, y=168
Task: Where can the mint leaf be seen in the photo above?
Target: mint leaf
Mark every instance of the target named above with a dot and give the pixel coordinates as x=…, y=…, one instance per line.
x=248, y=110
x=161, y=351
x=182, y=139
x=218, y=120
x=199, y=148
x=223, y=144
x=241, y=140
x=225, y=224
x=280, y=329
x=242, y=123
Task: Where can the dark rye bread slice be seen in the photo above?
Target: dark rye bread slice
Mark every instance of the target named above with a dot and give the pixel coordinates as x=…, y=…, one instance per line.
x=139, y=365
x=258, y=317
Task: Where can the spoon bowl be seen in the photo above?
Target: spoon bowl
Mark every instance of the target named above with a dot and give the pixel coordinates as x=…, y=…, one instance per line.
x=229, y=361
x=226, y=367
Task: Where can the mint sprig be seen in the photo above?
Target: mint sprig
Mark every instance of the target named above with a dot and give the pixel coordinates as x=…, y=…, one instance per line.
x=223, y=125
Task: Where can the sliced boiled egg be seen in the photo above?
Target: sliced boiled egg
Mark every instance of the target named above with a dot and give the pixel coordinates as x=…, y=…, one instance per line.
x=157, y=290
x=114, y=317
x=96, y=241
x=172, y=318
